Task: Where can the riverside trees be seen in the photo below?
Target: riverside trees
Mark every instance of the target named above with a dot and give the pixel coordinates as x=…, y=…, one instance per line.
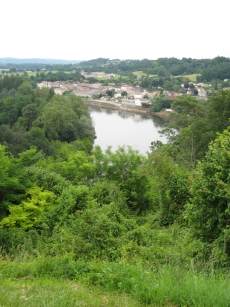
x=38, y=117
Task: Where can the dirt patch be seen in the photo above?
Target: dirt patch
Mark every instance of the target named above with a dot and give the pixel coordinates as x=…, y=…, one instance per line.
x=162, y=114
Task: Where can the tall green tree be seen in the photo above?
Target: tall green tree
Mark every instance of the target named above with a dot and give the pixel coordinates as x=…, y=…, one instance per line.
x=208, y=211
x=168, y=184
x=29, y=115
x=122, y=168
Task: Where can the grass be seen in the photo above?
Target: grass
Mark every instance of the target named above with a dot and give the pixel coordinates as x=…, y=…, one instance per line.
x=64, y=281
x=191, y=77
x=61, y=293
x=141, y=73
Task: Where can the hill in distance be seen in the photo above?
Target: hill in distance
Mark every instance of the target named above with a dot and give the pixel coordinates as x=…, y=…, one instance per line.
x=36, y=60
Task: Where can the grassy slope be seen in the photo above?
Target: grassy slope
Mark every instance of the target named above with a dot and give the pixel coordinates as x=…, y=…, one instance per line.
x=191, y=77
x=141, y=73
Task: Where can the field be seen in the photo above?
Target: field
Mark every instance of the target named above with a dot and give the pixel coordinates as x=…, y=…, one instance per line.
x=191, y=77
x=141, y=73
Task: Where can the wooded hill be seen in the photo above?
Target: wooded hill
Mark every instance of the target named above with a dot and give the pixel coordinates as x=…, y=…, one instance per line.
x=208, y=69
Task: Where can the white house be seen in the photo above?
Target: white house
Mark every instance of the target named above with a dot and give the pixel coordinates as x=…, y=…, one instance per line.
x=117, y=95
x=42, y=84
x=137, y=102
x=137, y=96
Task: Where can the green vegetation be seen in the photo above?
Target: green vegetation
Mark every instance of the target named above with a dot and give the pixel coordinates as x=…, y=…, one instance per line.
x=160, y=102
x=53, y=292
x=141, y=73
x=112, y=228
x=191, y=77
x=63, y=281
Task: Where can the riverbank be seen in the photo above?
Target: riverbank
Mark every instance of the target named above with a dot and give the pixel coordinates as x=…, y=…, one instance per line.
x=162, y=114
x=126, y=107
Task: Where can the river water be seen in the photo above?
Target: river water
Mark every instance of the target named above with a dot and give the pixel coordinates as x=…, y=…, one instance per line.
x=117, y=128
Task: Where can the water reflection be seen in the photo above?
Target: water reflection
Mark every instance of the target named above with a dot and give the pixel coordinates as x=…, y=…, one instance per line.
x=118, y=127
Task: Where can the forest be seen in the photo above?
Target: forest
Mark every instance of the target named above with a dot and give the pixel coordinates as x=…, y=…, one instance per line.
x=125, y=228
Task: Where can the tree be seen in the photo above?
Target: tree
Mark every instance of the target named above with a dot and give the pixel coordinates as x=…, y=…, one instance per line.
x=110, y=92
x=36, y=137
x=186, y=109
x=122, y=168
x=168, y=85
x=60, y=122
x=29, y=115
x=65, y=118
x=124, y=93
x=168, y=183
x=29, y=213
x=13, y=181
x=160, y=102
x=85, y=128
x=92, y=80
x=208, y=211
x=25, y=89
x=12, y=69
x=220, y=110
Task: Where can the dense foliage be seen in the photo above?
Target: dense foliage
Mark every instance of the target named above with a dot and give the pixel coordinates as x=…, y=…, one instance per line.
x=38, y=117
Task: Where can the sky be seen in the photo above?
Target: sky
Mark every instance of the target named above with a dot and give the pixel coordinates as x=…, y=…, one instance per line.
x=119, y=29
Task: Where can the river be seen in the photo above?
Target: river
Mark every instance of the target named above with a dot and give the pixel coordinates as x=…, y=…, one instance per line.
x=117, y=128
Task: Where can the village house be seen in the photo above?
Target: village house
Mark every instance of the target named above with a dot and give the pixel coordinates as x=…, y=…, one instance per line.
x=105, y=98
x=111, y=76
x=42, y=84
x=60, y=90
x=126, y=87
x=49, y=84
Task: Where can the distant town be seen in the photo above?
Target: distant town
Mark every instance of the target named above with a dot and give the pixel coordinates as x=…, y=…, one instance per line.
x=126, y=93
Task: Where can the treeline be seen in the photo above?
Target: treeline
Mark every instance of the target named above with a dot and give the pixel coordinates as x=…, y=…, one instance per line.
x=39, y=67
x=11, y=82
x=57, y=76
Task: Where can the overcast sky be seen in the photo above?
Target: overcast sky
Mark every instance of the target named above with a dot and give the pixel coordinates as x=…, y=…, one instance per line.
x=123, y=29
